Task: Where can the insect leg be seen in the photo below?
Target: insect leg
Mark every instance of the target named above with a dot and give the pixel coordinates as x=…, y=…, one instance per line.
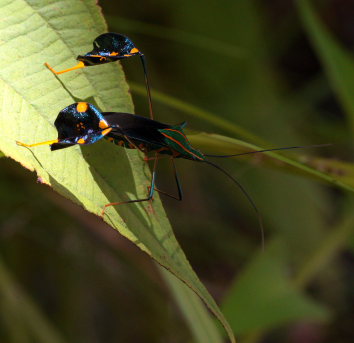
x=147, y=84
x=148, y=198
x=179, y=186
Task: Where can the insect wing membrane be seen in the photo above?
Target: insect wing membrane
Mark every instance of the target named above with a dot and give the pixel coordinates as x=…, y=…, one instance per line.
x=137, y=128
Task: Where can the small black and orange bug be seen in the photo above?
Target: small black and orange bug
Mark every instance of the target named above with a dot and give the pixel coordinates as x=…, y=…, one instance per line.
x=82, y=123
x=111, y=47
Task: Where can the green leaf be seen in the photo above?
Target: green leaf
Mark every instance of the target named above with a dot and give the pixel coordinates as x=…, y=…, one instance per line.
x=338, y=63
x=35, y=31
x=338, y=173
x=200, y=322
x=263, y=297
x=331, y=245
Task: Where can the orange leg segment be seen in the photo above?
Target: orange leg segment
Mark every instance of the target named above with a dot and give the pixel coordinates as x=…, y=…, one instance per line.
x=148, y=198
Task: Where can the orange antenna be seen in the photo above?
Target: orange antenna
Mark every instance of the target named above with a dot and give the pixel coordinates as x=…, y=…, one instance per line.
x=36, y=144
x=78, y=66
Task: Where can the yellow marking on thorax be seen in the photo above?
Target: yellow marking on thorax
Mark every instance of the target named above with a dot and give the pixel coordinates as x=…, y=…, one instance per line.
x=82, y=106
x=105, y=132
x=81, y=141
x=103, y=124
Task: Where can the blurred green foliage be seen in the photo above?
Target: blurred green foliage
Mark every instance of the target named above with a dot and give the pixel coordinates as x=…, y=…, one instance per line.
x=278, y=72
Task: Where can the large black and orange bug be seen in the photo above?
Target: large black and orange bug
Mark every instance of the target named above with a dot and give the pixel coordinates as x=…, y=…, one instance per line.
x=111, y=47
x=82, y=123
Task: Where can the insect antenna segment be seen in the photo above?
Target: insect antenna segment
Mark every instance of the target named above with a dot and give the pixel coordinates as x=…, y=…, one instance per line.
x=247, y=195
x=272, y=149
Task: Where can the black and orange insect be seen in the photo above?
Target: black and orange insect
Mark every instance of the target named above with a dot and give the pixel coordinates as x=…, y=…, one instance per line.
x=111, y=47
x=82, y=123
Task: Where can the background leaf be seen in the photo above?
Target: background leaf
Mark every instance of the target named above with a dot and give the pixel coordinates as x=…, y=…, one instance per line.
x=266, y=297
x=337, y=62
x=203, y=328
x=338, y=173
